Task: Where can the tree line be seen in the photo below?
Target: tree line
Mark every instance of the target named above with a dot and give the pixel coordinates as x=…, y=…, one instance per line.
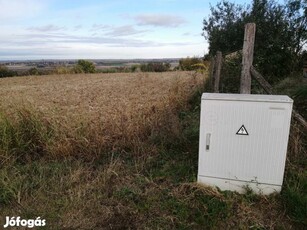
x=82, y=66
x=85, y=66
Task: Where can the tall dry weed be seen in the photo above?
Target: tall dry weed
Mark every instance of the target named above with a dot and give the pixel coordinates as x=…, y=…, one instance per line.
x=24, y=136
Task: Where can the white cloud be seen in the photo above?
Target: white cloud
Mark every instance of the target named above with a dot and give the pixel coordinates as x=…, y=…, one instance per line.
x=124, y=31
x=45, y=39
x=47, y=28
x=161, y=20
x=77, y=27
x=96, y=51
x=32, y=30
x=116, y=31
x=96, y=27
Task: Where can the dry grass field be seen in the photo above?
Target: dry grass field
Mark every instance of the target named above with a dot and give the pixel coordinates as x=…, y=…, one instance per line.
x=97, y=96
x=120, y=151
x=103, y=111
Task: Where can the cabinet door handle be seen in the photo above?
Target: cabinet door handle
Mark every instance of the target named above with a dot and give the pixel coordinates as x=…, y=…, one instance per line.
x=208, y=136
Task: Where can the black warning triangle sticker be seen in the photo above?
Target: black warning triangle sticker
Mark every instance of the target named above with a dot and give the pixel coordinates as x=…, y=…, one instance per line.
x=242, y=131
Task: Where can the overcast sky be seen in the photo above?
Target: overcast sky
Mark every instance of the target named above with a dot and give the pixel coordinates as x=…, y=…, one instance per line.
x=92, y=29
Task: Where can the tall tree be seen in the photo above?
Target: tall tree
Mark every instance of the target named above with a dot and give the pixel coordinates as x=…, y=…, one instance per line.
x=297, y=22
x=223, y=27
x=280, y=34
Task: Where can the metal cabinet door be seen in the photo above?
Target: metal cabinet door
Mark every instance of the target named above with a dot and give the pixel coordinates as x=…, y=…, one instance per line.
x=243, y=140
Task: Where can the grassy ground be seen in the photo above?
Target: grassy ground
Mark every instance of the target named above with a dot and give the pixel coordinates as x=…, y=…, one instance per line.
x=135, y=170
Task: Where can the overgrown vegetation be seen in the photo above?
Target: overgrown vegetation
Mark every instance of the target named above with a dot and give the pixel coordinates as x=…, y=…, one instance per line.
x=281, y=33
x=155, y=67
x=24, y=138
x=293, y=197
x=279, y=54
x=138, y=171
x=5, y=72
x=192, y=63
x=121, y=152
x=84, y=66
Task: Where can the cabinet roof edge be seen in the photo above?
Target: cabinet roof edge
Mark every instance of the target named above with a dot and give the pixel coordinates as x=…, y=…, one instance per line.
x=246, y=97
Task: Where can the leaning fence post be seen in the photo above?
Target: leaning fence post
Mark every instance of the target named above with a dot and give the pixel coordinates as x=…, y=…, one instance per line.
x=269, y=89
x=247, y=59
x=217, y=72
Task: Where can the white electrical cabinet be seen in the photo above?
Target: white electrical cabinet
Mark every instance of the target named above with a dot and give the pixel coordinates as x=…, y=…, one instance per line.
x=243, y=141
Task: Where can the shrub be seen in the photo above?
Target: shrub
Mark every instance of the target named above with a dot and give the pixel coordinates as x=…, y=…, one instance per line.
x=230, y=76
x=301, y=92
x=134, y=68
x=64, y=70
x=84, y=66
x=5, y=72
x=190, y=63
x=33, y=71
x=155, y=67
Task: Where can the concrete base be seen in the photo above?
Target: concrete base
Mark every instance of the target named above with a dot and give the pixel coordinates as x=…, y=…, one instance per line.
x=239, y=186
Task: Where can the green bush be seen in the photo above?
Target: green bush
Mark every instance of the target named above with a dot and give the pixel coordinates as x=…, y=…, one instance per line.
x=5, y=72
x=134, y=68
x=280, y=33
x=84, y=66
x=230, y=75
x=155, y=67
x=301, y=92
x=295, y=87
x=33, y=71
x=189, y=64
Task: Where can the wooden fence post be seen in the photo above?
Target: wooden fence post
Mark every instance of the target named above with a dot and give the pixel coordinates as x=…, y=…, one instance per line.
x=211, y=72
x=217, y=72
x=247, y=59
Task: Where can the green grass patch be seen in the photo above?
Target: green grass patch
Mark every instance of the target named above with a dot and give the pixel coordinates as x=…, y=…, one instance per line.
x=294, y=195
